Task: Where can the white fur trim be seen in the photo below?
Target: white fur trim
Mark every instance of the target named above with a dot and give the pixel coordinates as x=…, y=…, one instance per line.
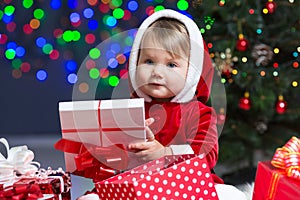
x=229, y=192
x=196, y=55
x=181, y=149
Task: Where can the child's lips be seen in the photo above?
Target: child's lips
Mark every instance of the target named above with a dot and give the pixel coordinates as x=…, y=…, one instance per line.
x=155, y=84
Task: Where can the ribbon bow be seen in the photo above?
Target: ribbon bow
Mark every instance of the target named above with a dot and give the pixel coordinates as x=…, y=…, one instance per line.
x=19, y=161
x=94, y=161
x=288, y=158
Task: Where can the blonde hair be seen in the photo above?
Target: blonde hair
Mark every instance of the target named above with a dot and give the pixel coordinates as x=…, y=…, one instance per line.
x=169, y=34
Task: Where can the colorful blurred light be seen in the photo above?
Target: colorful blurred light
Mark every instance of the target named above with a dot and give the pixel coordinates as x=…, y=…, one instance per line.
x=38, y=13
x=41, y=75
x=182, y=5
x=55, y=4
x=88, y=13
x=72, y=78
x=9, y=10
x=27, y=3
x=93, y=24
x=40, y=41
x=94, y=73
x=113, y=81
x=71, y=66
x=94, y=53
x=132, y=5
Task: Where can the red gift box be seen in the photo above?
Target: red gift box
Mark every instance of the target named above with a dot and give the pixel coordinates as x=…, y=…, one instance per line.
x=170, y=177
x=272, y=184
x=279, y=179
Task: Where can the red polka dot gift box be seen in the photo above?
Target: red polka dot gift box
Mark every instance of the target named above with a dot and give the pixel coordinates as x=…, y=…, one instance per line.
x=170, y=177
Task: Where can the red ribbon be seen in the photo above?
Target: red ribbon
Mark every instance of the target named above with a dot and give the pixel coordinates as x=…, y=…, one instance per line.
x=21, y=192
x=288, y=158
x=94, y=161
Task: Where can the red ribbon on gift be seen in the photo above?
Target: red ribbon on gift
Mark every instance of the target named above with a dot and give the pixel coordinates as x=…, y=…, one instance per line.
x=94, y=161
x=288, y=158
x=21, y=192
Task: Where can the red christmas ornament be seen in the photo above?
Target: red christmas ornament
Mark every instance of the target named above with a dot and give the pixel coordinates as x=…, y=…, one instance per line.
x=271, y=6
x=245, y=102
x=281, y=105
x=242, y=44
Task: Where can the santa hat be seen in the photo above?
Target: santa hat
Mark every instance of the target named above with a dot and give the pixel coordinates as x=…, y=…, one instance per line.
x=199, y=62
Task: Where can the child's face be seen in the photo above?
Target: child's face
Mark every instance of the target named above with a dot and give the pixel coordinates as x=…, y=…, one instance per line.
x=159, y=74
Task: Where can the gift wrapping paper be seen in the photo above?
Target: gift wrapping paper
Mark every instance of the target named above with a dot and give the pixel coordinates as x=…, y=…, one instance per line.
x=279, y=179
x=171, y=177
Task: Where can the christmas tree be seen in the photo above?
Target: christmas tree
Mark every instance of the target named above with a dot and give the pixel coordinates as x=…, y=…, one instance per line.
x=255, y=47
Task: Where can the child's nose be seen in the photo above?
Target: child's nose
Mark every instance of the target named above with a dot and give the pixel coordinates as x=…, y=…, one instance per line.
x=157, y=70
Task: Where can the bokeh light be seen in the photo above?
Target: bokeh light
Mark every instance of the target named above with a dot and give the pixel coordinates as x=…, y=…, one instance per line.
x=41, y=75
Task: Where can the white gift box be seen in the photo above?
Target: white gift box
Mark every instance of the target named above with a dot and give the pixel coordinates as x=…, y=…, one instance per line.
x=102, y=123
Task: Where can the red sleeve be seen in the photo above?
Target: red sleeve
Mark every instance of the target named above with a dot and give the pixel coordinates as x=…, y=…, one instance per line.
x=204, y=138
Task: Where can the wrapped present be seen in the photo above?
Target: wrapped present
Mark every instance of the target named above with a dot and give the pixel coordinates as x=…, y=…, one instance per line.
x=22, y=178
x=170, y=177
x=94, y=128
x=279, y=178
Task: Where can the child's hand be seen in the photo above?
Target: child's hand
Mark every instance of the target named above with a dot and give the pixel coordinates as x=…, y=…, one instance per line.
x=151, y=149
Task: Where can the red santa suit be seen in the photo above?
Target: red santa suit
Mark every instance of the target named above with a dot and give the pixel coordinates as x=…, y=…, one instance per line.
x=185, y=123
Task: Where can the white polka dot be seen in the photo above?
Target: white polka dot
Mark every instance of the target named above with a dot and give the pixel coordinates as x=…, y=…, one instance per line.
x=116, y=194
x=201, y=198
x=122, y=194
x=213, y=194
x=130, y=194
x=199, y=173
x=108, y=194
x=190, y=188
x=186, y=178
x=132, y=189
x=178, y=176
x=210, y=184
x=104, y=190
x=165, y=182
x=147, y=195
x=133, y=179
x=170, y=174
x=183, y=169
x=163, y=198
x=148, y=178
x=176, y=194
x=205, y=192
x=138, y=193
x=161, y=173
x=194, y=180
x=150, y=172
x=118, y=190
x=157, y=162
x=188, y=162
x=174, y=167
x=201, y=156
x=207, y=175
x=173, y=184
x=202, y=182
x=144, y=185
x=184, y=195
x=119, y=177
x=160, y=189
x=191, y=171
x=196, y=163
x=155, y=197
x=168, y=191
x=135, y=183
x=204, y=165
x=198, y=190
x=156, y=180
x=110, y=190
x=152, y=187
x=125, y=182
x=181, y=186
x=145, y=167
x=193, y=197
x=158, y=169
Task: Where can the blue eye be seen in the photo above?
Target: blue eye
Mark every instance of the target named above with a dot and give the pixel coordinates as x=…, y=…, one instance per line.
x=172, y=65
x=149, y=62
